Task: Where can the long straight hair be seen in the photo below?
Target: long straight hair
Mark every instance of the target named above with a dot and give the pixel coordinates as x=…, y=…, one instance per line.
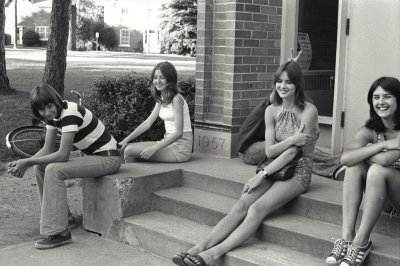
x=43, y=95
x=391, y=85
x=295, y=75
x=171, y=76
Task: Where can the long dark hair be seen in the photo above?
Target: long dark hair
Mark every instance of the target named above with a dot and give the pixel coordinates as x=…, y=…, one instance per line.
x=391, y=85
x=43, y=95
x=295, y=75
x=169, y=72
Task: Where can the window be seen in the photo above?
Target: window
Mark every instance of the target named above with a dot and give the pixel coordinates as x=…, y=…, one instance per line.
x=43, y=31
x=124, y=37
x=124, y=11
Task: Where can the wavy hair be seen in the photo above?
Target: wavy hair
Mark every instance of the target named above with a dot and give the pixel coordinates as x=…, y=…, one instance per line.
x=171, y=76
x=295, y=75
x=391, y=85
x=43, y=95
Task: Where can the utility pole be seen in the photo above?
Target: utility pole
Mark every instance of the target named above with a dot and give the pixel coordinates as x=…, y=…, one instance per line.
x=15, y=25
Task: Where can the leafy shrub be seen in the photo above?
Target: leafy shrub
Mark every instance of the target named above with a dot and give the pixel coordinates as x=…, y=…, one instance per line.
x=108, y=37
x=124, y=102
x=7, y=39
x=31, y=38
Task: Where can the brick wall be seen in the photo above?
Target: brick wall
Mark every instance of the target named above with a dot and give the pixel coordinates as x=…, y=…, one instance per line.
x=238, y=49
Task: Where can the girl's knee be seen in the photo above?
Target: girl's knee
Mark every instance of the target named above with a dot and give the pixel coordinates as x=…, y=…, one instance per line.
x=257, y=211
x=240, y=208
x=377, y=174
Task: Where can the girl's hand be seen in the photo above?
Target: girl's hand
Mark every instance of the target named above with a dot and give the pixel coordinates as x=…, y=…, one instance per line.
x=253, y=183
x=147, y=153
x=300, y=138
x=123, y=144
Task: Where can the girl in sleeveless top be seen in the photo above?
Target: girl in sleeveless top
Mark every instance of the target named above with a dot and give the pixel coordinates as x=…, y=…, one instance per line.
x=176, y=146
x=373, y=166
x=291, y=124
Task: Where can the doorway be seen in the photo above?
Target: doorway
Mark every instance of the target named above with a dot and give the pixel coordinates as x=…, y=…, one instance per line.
x=317, y=26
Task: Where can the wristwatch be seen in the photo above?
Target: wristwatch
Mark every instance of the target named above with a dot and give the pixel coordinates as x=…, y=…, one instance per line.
x=265, y=173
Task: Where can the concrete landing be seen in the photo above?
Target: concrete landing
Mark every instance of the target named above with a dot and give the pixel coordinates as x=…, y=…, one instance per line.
x=86, y=249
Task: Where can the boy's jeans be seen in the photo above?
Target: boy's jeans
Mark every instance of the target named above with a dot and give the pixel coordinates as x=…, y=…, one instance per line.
x=52, y=190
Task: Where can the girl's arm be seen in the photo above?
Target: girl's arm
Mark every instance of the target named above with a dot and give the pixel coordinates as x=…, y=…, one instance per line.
x=143, y=127
x=359, y=149
x=309, y=120
x=177, y=103
x=272, y=149
x=390, y=154
x=385, y=158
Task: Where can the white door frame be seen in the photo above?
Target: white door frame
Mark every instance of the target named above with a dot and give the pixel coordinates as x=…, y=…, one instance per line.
x=290, y=11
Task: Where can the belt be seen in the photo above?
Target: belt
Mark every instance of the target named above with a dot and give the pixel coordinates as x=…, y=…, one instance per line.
x=108, y=153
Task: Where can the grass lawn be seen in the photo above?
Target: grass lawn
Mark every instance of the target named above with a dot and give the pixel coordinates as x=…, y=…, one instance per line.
x=15, y=108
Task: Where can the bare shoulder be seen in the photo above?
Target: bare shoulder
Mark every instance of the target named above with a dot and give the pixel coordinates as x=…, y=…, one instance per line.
x=310, y=109
x=309, y=113
x=178, y=99
x=272, y=110
x=364, y=133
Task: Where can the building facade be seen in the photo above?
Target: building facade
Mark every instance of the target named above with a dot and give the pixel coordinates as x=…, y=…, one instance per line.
x=241, y=44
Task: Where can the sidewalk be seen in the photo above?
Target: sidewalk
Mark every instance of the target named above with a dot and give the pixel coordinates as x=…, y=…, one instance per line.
x=86, y=249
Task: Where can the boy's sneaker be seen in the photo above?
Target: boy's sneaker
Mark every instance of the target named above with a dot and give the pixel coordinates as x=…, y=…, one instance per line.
x=339, y=251
x=53, y=241
x=356, y=255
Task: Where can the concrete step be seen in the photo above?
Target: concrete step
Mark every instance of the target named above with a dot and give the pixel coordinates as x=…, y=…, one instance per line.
x=322, y=202
x=283, y=228
x=166, y=235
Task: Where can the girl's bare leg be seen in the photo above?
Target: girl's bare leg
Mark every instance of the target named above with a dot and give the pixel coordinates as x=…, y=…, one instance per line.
x=280, y=193
x=352, y=195
x=231, y=220
x=380, y=180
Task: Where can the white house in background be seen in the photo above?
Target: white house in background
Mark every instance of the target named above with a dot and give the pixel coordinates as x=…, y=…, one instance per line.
x=137, y=23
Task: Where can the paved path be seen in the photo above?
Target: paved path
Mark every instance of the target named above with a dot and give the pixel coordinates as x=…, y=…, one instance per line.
x=86, y=249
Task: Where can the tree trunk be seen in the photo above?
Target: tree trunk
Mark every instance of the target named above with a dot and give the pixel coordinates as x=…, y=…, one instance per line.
x=72, y=34
x=56, y=56
x=4, y=83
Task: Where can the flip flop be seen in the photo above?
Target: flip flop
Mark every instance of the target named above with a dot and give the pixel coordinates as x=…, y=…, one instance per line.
x=194, y=260
x=178, y=258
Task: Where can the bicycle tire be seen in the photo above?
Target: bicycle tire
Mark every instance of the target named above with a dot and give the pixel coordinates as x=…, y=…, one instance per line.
x=26, y=141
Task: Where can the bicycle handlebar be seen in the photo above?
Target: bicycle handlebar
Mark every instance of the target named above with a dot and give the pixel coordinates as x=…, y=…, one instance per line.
x=76, y=93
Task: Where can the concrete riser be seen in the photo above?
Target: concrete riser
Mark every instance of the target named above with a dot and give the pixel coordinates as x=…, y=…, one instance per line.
x=303, y=206
x=187, y=211
x=167, y=247
x=332, y=213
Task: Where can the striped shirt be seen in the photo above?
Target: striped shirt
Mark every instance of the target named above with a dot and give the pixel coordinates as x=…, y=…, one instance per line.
x=90, y=133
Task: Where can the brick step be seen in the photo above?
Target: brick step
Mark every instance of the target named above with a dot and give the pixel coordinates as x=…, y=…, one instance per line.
x=285, y=229
x=322, y=202
x=166, y=235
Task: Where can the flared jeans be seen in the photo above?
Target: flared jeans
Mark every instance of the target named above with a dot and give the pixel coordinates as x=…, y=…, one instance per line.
x=53, y=192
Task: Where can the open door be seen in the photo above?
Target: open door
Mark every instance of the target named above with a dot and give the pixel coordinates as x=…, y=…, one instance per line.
x=368, y=48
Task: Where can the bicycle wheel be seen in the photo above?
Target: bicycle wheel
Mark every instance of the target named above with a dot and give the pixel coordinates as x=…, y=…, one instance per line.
x=26, y=141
